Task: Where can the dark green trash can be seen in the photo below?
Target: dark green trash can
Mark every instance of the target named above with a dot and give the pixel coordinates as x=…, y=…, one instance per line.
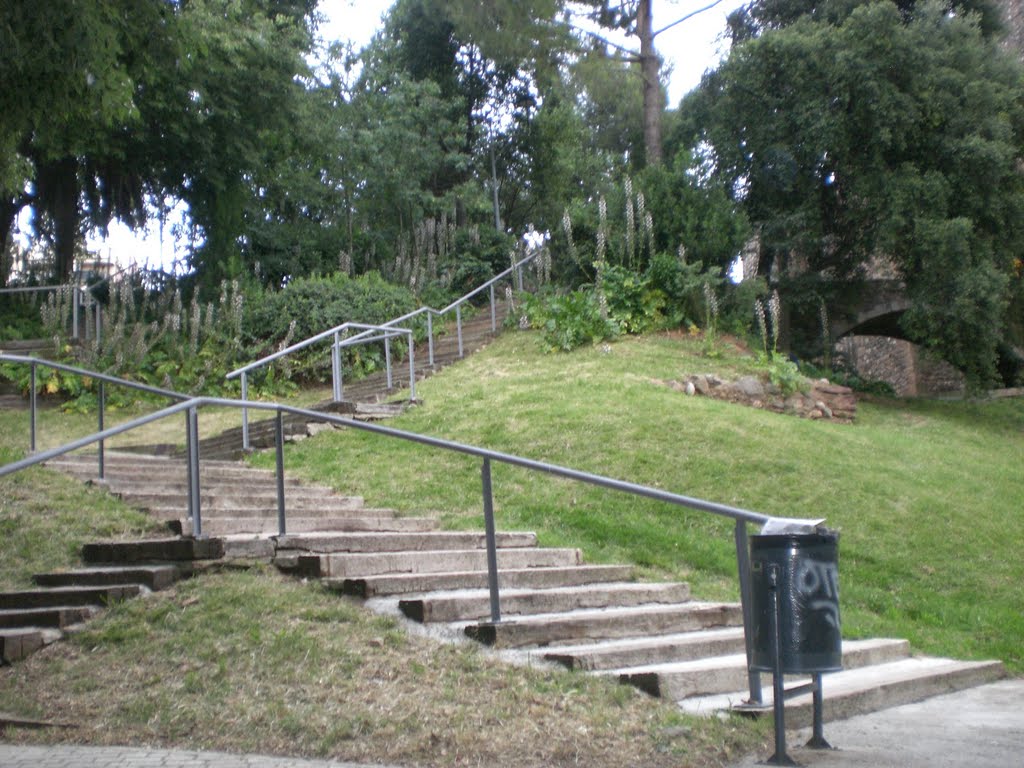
x=806, y=583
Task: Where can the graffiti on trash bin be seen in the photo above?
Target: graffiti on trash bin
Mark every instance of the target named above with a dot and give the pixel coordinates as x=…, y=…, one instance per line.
x=817, y=583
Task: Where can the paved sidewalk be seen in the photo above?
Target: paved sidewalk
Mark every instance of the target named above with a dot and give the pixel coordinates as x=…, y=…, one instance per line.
x=64, y=756
x=980, y=727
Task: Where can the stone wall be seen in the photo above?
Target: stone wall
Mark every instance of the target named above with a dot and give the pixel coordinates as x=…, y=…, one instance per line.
x=902, y=365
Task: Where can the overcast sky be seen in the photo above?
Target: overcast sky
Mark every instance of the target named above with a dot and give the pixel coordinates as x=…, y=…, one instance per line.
x=688, y=50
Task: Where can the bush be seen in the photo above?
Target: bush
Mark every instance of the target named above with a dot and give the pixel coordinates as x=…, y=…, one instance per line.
x=308, y=306
x=568, y=321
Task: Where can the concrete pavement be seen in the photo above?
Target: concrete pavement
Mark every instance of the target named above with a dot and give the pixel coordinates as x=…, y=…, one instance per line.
x=979, y=727
x=65, y=756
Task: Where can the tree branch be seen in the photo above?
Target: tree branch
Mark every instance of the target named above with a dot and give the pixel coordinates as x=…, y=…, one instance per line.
x=687, y=16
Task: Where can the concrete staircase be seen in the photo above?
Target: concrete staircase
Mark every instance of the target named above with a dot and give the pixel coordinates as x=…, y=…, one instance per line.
x=63, y=601
x=597, y=619
x=366, y=399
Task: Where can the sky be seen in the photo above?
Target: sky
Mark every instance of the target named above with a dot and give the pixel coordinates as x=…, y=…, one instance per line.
x=687, y=49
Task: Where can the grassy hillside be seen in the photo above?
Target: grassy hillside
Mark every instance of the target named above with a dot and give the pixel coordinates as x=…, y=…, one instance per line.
x=927, y=494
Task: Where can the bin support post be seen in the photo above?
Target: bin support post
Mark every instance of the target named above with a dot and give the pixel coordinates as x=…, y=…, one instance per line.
x=818, y=738
x=747, y=605
x=779, y=690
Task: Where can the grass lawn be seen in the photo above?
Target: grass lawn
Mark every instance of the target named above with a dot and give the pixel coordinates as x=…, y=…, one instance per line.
x=927, y=496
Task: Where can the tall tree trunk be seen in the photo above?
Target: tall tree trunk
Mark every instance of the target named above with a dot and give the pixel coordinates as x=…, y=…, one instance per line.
x=650, y=64
x=58, y=197
x=9, y=210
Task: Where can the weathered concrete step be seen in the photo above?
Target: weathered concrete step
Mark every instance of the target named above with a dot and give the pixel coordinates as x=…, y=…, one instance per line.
x=634, y=651
x=133, y=463
x=218, y=486
x=868, y=689
x=545, y=629
x=474, y=605
x=721, y=674
x=225, y=526
x=153, y=550
x=361, y=565
x=537, y=578
x=401, y=542
x=180, y=511
x=67, y=596
x=17, y=643
x=154, y=577
x=166, y=471
x=58, y=617
x=326, y=504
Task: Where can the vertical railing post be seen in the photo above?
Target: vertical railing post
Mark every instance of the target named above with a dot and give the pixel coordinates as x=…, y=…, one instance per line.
x=458, y=323
x=746, y=603
x=519, y=278
x=102, y=410
x=492, y=547
x=195, y=506
x=99, y=323
x=279, y=445
x=245, y=411
x=336, y=368
x=494, y=316
x=74, y=311
x=32, y=408
x=412, y=366
x=430, y=337
x=387, y=357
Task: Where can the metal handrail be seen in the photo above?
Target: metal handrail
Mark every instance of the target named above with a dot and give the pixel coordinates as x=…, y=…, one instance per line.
x=102, y=378
x=367, y=336
x=191, y=406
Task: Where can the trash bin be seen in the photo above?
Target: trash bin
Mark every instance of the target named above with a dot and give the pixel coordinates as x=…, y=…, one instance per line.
x=801, y=572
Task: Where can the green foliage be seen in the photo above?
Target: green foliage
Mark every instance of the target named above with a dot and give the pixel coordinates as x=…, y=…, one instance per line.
x=568, y=321
x=682, y=284
x=635, y=305
x=308, y=306
x=783, y=373
x=879, y=131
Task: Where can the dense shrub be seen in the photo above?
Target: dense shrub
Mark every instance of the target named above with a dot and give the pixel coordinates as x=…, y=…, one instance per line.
x=308, y=306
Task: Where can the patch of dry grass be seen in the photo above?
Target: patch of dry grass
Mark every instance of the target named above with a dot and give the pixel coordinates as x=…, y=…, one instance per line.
x=254, y=662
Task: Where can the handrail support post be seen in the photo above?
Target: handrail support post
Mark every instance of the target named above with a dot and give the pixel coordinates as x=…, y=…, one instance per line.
x=32, y=407
x=458, y=322
x=279, y=445
x=494, y=316
x=387, y=359
x=336, y=368
x=746, y=603
x=102, y=409
x=245, y=411
x=195, y=511
x=492, y=547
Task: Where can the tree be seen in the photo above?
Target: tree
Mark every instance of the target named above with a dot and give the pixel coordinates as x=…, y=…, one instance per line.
x=891, y=131
x=106, y=105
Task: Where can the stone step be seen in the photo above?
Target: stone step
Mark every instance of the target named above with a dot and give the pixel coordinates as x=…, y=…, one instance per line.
x=402, y=542
x=474, y=605
x=258, y=499
x=679, y=680
x=132, y=462
x=67, y=596
x=867, y=689
x=171, y=473
x=575, y=626
x=18, y=643
x=153, y=550
x=180, y=512
x=216, y=487
x=154, y=577
x=636, y=651
x=362, y=565
x=538, y=578
x=57, y=617
x=225, y=526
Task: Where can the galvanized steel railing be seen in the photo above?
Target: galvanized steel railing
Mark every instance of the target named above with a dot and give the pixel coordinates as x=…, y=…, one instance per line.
x=82, y=299
x=385, y=331
x=191, y=407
